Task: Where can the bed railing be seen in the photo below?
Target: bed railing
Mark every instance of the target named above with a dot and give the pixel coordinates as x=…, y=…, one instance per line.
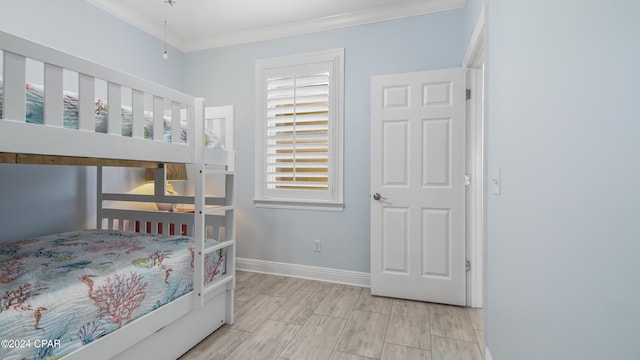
x=165, y=223
x=53, y=138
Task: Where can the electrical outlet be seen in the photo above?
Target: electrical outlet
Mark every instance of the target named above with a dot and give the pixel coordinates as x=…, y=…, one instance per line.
x=316, y=246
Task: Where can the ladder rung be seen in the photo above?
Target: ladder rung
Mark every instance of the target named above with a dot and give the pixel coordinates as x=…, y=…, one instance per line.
x=218, y=172
x=208, y=288
x=213, y=210
x=219, y=246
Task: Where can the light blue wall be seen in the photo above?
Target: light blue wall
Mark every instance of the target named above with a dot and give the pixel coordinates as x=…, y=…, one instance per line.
x=563, y=238
x=76, y=27
x=39, y=199
x=226, y=76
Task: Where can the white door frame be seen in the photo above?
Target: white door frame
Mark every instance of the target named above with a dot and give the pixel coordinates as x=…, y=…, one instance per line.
x=476, y=165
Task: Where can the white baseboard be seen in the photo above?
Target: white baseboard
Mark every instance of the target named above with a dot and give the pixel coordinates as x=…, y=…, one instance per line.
x=304, y=271
x=487, y=354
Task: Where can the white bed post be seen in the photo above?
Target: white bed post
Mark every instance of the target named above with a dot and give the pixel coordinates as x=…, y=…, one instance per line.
x=99, y=213
x=199, y=214
x=230, y=234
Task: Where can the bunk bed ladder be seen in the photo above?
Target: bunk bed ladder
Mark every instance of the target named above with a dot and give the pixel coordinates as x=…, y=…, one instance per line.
x=207, y=214
x=216, y=218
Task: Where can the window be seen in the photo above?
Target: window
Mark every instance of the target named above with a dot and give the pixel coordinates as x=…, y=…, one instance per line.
x=299, y=131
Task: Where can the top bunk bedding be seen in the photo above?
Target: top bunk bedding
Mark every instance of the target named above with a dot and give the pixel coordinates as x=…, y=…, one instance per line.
x=49, y=114
x=35, y=106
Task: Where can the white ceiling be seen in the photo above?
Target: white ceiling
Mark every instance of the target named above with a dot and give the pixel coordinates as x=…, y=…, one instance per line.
x=200, y=24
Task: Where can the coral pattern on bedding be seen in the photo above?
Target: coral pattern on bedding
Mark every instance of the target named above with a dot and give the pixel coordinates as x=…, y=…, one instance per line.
x=71, y=289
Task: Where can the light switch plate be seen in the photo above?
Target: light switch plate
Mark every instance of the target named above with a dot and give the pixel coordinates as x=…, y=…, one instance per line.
x=496, y=181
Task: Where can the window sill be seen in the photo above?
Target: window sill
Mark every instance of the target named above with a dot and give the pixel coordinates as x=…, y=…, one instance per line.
x=298, y=205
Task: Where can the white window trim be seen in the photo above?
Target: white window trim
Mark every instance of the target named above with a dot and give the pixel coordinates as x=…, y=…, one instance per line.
x=337, y=202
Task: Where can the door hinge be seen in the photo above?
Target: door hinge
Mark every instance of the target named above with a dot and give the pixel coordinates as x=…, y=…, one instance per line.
x=467, y=180
x=468, y=94
x=468, y=266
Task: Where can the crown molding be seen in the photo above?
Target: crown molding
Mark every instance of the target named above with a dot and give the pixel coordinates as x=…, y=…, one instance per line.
x=414, y=8
x=154, y=29
x=392, y=12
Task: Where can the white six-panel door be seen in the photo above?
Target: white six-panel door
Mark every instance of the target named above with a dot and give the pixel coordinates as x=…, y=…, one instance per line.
x=418, y=186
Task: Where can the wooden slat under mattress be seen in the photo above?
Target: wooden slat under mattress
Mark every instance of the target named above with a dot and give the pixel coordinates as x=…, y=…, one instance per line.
x=14, y=158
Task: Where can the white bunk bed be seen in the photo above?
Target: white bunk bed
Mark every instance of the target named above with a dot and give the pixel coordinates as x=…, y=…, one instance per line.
x=172, y=329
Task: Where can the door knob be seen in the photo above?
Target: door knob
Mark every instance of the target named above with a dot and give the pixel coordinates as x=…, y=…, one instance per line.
x=377, y=196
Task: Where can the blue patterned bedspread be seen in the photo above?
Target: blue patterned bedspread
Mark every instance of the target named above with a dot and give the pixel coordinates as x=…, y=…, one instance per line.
x=60, y=292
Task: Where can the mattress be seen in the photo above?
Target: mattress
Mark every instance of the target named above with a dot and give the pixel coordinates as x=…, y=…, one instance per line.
x=35, y=115
x=60, y=292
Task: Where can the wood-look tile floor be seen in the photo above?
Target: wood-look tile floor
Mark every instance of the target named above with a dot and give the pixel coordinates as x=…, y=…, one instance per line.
x=282, y=318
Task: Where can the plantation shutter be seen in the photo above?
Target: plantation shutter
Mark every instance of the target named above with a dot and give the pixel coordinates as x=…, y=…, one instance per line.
x=299, y=126
x=298, y=132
